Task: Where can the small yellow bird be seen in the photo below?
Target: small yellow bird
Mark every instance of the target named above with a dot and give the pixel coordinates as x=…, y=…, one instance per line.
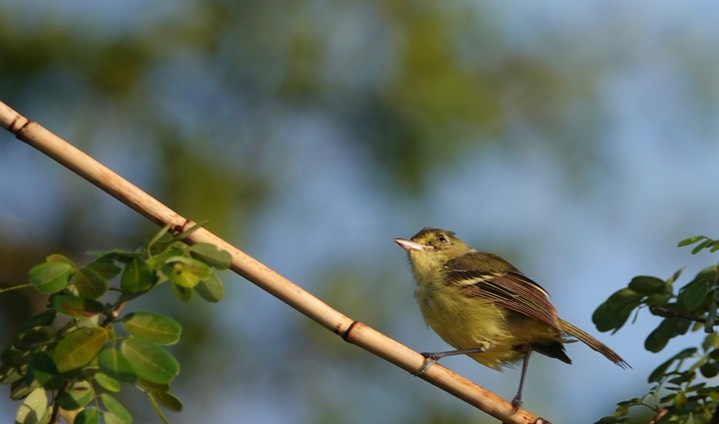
x=485, y=307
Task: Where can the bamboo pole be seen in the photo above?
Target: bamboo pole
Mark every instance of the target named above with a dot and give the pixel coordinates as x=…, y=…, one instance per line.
x=350, y=330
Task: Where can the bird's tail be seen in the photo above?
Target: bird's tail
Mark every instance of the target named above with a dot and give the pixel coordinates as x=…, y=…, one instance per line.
x=593, y=343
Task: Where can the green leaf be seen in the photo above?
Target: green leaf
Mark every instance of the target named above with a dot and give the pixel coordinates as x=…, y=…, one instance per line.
x=668, y=328
x=690, y=240
x=697, y=388
x=605, y=319
x=14, y=355
x=11, y=373
x=91, y=322
x=647, y=285
x=182, y=293
x=186, y=272
x=676, y=275
x=77, y=396
x=44, y=318
x=630, y=402
x=58, y=258
x=150, y=362
x=711, y=341
x=609, y=420
x=36, y=337
x=105, y=267
x=88, y=416
x=708, y=274
x=211, y=289
x=172, y=251
x=709, y=370
x=116, y=408
x=158, y=235
x=614, y=312
x=110, y=418
x=680, y=401
x=168, y=400
x=89, y=284
x=12, y=367
x=105, y=381
x=22, y=388
x=114, y=364
x=149, y=387
x=78, y=348
x=211, y=255
x=624, y=297
x=658, y=299
x=698, y=248
x=154, y=328
x=137, y=277
x=34, y=409
x=656, y=341
x=50, y=277
x=160, y=393
x=711, y=317
x=682, y=378
x=76, y=306
x=43, y=369
x=119, y=255
x=669, y=397
x=694, y=294
x=622, y=409
x=658, y=374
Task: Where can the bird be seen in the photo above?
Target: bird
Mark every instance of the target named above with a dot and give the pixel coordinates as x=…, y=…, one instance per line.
x=486, y=308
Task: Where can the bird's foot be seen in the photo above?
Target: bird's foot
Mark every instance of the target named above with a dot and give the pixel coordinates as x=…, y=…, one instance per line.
x=516, y=403
x=430, y=358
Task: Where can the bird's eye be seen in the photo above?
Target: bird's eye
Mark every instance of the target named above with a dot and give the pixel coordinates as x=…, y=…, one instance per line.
x=442, y=238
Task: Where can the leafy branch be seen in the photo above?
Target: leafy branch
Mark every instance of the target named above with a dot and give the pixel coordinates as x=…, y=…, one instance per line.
x=81, y=348
x=676, y=394
x=702, y=242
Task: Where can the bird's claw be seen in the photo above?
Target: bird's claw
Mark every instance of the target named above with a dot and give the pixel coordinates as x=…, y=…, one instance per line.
x=429, y=359
x=516, y=403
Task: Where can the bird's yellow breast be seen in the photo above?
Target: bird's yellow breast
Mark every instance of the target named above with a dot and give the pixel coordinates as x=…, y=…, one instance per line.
x=470, y=322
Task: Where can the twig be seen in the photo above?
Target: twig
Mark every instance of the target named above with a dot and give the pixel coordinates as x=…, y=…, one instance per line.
x=20, y=286
x=672, y=313
x=662, y=412
x=350, y=330
x=55, y=416
x=114, y=313
x=715, y=416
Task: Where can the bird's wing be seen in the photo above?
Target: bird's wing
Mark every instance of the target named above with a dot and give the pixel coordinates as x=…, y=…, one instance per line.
x=510, y=289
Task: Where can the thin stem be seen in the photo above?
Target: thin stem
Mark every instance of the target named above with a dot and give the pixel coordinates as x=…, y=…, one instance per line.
x=662, y=412
x=715, y=416
x=672, y=313
x=114, y=314
x=18, y=287
x=55, y=417
x=156, y=408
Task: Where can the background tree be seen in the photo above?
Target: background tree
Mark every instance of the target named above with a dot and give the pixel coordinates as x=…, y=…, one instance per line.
x=576, y=140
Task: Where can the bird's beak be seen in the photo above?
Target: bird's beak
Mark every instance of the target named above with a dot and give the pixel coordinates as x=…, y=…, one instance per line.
x=410, y=245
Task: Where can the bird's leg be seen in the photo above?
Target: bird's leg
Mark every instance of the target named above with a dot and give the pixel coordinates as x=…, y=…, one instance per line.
x=517, y=401
x=431, y=357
